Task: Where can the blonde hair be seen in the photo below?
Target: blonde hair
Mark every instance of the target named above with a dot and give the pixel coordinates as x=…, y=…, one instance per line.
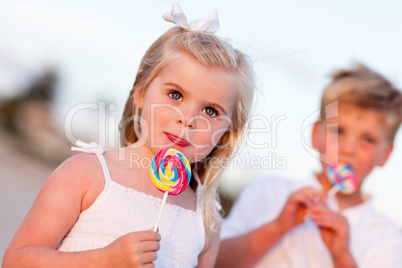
x=211, y=52
x=366, y=89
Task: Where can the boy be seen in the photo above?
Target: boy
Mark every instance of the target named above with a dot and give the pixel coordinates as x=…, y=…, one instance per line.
x=278, y=223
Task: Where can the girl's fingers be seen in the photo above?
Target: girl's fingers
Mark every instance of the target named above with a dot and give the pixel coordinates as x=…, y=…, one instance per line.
x=149, y=246
x=148, y=235
x=148, y=257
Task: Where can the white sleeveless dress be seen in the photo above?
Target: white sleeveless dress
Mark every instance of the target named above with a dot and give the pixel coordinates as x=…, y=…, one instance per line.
x=119, y=210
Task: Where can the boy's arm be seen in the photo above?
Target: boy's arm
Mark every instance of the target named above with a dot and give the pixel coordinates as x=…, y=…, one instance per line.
x=246, y=250
x=207, y=257
x=334, y=230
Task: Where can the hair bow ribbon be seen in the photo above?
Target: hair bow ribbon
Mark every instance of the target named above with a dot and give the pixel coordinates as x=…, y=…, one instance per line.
x=92, y=147
x=176, y=16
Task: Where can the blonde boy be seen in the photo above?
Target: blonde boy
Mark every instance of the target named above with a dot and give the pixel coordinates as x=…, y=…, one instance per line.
x=279, y=223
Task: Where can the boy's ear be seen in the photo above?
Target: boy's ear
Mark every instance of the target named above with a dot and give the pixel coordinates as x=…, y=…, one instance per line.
x=315, y=136
x=386, y=155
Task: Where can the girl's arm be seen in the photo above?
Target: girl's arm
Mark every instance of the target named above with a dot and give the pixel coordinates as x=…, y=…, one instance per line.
x=207, y=257
x=70, y=189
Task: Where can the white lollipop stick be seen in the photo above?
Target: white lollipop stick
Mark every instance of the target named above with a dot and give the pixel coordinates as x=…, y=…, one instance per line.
x=333, y=191
x=160, y=211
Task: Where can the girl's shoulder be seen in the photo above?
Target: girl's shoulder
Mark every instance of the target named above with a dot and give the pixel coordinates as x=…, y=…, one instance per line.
x=81, y=173
x=82, y=167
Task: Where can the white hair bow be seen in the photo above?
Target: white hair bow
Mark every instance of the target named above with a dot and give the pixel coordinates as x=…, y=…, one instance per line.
x=92, y=147
x=176, y=16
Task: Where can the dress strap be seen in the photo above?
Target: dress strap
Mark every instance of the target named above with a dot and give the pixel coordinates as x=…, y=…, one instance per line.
x=199, y=193
x=199, y=207
x=199, y=185
x=97, y=149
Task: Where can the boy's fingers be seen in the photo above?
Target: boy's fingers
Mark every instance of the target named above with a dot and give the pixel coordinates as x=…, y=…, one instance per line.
x=322, y=209
x=328, y=219
x=338, y=228
x=310, y=195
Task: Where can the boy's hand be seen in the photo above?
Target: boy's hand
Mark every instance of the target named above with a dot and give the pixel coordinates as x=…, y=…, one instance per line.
x=334, y=230
x=136, y=249
x=294, y=211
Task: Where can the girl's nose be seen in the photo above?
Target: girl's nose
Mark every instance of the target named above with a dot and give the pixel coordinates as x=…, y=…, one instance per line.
x=187, y=120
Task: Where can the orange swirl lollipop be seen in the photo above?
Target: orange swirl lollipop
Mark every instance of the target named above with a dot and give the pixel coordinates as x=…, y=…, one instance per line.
x=171, y=174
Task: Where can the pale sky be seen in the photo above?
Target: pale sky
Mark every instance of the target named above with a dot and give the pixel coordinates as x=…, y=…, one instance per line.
x=96, y=47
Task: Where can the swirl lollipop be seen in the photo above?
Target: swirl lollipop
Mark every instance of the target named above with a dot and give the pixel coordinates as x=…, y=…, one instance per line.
x=342, y=179
x=171, y=174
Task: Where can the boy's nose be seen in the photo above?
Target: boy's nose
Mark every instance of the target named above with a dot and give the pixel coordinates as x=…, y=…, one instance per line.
x=348, y=145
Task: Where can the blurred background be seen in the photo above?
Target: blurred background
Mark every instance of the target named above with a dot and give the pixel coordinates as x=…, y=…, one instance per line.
x=66, y=68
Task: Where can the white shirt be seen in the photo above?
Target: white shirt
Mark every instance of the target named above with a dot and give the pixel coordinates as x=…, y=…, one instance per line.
x=119, y=210
x=374, y=240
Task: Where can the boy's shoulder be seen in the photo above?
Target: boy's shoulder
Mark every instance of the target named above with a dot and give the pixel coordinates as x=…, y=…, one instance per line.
x=266, y=188
x=278, y=182
x=370, y=215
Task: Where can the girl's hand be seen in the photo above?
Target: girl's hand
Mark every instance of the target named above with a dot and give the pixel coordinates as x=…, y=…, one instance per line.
x=334, y=230
x=136, y=249
x=294, y=211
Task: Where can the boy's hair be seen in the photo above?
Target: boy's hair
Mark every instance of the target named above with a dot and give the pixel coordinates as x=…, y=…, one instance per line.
x=211, y=52
x=365, y=89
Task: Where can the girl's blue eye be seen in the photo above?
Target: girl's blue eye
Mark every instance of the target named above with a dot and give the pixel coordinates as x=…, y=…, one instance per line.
x=210, y=111
x=175, y=95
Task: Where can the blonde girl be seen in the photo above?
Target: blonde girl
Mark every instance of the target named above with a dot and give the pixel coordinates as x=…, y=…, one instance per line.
x=193, y=92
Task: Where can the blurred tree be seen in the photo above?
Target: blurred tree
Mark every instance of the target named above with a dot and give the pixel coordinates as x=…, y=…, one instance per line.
x=28, y=118
x=41, y=89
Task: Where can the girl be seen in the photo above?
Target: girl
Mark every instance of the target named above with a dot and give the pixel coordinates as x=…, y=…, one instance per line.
x=193, y=92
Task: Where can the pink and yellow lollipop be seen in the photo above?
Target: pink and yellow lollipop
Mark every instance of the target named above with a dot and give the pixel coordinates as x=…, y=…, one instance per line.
x=170, y=171
x=171, y=174
x=342, y=178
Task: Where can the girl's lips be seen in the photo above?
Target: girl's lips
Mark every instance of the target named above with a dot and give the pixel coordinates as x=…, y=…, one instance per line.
x=178, y=141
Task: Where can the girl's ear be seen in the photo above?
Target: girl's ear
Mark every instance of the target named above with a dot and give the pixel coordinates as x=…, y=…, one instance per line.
x=138, y=95
x=386, y=155
x=223, y=139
